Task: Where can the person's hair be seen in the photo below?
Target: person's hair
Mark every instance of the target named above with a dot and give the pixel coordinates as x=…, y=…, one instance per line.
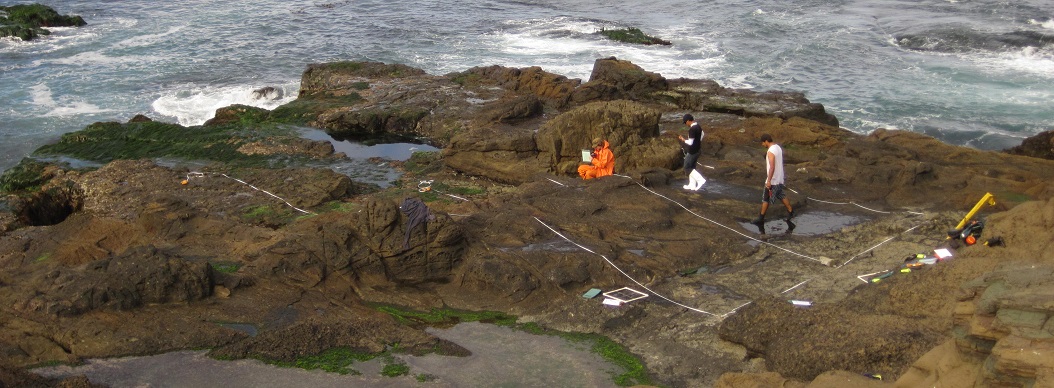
x=687, y=118
x=766, y=138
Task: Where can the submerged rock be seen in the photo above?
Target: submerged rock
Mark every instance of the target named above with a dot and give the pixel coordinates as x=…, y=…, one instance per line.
x=28, y=21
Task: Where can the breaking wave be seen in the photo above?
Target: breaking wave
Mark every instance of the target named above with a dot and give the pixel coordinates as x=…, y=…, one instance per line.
x=195, y=105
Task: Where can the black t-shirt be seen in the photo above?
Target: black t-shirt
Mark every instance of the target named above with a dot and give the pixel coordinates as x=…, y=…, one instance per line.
x=695, y=132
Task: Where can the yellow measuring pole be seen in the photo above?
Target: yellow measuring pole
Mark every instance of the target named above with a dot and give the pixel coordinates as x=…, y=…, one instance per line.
x=988, y=197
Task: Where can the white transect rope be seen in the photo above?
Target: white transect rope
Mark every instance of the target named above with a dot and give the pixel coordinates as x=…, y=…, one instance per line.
x=852, y=203
x=202, y=175
x=876, y=246
x=722, y=316
x=795, y=286
x=554, y=181
x=452, y=195
x=723, y=226
x=861, y=277
x=735, y=309
x=768, y=243
x=624, y=272
x=424, y=186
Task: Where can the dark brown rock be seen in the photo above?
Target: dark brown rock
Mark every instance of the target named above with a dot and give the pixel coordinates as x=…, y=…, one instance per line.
x=141, y=276
x=614, y=79
x=303, y=280
x=341, y=78
x=1038, y=146
x=632, y=129
x=554, y=89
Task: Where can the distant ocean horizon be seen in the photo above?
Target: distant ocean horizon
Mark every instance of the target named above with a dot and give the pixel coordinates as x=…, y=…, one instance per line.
x=974, y=73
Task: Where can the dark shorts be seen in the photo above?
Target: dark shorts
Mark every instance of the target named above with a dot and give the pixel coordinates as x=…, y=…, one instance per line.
x=774, y=194
x=689, y=162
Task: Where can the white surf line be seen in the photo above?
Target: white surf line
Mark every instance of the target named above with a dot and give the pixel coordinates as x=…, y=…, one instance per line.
x=624, y=272
x=719, y=224
x=202, y=175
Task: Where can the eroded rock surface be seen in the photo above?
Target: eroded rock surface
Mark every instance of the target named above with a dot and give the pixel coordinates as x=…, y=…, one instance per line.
x=139, y=262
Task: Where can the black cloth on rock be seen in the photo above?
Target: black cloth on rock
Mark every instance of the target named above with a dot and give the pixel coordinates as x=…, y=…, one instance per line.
x=416, y=212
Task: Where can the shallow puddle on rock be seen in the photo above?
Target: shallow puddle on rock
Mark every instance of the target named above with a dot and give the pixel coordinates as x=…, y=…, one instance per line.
x=504, y=357
x=359, y=166
x=354, y=150
x=811, y=223
x=242, y=327
x=501, y=357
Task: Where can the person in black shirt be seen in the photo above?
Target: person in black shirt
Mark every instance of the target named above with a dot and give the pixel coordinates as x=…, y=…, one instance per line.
x=692, y=146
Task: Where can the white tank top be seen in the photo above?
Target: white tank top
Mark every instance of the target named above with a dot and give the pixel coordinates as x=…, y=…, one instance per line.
x=777, y=174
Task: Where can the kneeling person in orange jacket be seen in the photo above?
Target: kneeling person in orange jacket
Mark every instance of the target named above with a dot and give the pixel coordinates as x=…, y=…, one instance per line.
x=603, y=163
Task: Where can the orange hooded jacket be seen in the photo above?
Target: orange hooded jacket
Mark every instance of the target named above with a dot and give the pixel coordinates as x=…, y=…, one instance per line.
x=603, y=163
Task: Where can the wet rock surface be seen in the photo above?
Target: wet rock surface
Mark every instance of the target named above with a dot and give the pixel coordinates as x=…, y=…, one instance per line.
x=1039, y=146
x=301, y=266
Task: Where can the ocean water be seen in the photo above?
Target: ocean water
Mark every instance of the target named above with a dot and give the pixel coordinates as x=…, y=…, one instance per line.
x=970, y=72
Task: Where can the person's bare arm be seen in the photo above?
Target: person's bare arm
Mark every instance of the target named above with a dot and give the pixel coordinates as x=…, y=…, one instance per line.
x=772, y=169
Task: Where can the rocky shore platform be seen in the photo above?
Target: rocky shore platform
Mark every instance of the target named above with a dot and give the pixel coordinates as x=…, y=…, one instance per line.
x=175, y=237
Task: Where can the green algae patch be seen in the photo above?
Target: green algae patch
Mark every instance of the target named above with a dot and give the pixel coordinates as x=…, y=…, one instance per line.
x=466, y=79
x=28, y=175
x=108, y=141
x=334, y=360
x=242, y=115
x=444, y=192
x=341, y=207
x=635, y=372
x=28, y=21
x=424, y=162
x=395, y=369
x=341, y=359
x=632, y=35
x=368, y=69
x=306, y=109
x=270, y=216
x=225, y=266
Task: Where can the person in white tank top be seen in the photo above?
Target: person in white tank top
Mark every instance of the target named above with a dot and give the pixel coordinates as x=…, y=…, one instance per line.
x=774, y=182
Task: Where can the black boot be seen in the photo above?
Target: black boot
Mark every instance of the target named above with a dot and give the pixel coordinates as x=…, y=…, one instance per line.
x=760, y=220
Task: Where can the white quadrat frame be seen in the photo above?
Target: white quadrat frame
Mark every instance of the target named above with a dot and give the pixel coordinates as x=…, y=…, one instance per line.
x=625, y=295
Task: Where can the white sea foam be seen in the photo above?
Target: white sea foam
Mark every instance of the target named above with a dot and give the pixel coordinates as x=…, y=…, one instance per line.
x=90, y=58
x=195, y=105
x=1029, y=60
x=737, y=82
x=549, y=43
x=146, y=40
x=41, y=96
x=1048, y=24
